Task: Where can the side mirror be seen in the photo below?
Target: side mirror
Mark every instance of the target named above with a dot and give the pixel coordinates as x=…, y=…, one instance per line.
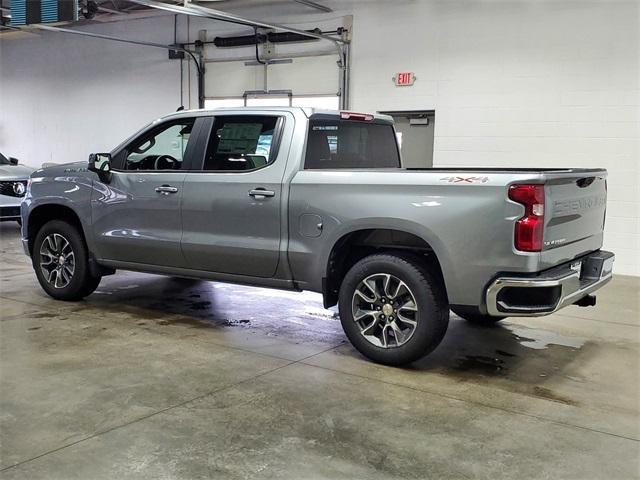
x=101, y=164
x=13, y=160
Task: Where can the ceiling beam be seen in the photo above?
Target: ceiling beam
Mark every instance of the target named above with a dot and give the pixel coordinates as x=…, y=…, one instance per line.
x=105, y=37
x=315, y=5
x=199, y=11
x=111, y=10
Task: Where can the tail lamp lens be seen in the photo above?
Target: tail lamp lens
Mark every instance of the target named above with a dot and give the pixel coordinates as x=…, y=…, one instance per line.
x=366, y=117
x=530, y=227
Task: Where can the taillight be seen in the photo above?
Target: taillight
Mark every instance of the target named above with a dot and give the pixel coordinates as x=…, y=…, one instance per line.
x=530, y=227
x=366, y=117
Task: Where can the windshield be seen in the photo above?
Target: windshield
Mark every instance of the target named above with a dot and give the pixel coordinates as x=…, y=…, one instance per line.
x=4, y=160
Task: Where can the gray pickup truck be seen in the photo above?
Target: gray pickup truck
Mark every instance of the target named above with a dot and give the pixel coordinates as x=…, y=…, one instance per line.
x=302, y=199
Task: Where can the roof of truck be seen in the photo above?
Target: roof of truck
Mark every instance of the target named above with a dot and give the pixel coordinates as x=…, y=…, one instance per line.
x=306, y=110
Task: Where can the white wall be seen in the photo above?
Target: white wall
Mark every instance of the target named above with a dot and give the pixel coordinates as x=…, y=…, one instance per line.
x=64, y=96
x=518, y=83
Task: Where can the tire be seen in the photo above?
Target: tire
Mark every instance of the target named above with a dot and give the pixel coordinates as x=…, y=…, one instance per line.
x=370, y=332
x=73, y=280
x=473, y=316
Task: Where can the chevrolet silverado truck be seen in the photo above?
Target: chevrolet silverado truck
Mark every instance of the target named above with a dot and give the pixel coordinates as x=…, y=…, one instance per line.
x=302, y=199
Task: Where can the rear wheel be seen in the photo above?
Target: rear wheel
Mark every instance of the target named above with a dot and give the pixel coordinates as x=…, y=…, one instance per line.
x=393, y=309
x=61, y=262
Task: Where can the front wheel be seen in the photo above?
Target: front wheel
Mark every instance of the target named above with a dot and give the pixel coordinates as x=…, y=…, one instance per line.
x=393, y=309
x=61, y=262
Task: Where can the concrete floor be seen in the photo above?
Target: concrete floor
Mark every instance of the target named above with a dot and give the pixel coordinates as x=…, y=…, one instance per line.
x=152, y=377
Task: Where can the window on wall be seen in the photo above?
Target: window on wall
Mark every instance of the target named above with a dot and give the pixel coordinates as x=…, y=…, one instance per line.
x=269, y=101
x=223, y=102
x=322, y=102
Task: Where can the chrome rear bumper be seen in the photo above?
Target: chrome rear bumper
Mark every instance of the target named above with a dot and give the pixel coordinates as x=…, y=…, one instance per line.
x=551, y=290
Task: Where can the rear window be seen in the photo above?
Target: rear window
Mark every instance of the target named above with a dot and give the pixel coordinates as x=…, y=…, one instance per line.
x=333, y=144
x=241, y=142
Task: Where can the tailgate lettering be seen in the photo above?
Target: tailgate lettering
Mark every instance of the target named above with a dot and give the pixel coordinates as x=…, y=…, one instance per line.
x=566, y=207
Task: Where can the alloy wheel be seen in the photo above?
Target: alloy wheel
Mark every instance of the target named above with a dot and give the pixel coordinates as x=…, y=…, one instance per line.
x=385, y=310
x=57, y=260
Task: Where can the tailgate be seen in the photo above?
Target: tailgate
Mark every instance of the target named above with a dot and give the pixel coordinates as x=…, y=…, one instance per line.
x=575, y=207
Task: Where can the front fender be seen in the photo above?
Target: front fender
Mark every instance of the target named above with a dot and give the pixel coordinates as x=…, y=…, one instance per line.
x=72, y=192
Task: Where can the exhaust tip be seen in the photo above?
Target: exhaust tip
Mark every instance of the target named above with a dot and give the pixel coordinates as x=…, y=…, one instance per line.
x=587, y=301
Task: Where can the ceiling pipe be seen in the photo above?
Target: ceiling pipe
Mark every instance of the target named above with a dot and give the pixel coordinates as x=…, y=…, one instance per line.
x=315, y=5
x=112, y=11
x=107, y=37
x=205, y=12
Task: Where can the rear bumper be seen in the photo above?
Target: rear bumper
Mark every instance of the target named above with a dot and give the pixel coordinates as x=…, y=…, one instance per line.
x=549, y=291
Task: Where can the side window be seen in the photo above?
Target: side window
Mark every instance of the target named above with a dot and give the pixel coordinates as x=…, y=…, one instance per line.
x=160, y=149
x=339, y=143
x=241, y=142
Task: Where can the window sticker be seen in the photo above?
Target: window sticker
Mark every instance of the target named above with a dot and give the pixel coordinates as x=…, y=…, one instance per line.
x=317, y=128
x=239, y=138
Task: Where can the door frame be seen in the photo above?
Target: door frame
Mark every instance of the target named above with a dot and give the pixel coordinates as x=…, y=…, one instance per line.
x=414, y=115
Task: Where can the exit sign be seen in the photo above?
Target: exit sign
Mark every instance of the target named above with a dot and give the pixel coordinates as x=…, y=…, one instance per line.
x=404, y=79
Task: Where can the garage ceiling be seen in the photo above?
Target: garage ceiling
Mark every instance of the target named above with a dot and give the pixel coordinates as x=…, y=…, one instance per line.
x=113, y=10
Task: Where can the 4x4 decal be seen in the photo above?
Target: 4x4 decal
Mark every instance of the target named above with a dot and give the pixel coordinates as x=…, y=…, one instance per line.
x=465, y=179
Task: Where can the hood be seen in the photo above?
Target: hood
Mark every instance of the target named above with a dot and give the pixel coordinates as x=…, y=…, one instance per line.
x=11, y=172
x=72, y=169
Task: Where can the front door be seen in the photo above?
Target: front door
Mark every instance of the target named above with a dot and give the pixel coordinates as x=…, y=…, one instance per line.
x=136, y=217
x=231, y=209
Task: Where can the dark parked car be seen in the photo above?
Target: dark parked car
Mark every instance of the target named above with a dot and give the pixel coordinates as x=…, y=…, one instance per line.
x=13, y=185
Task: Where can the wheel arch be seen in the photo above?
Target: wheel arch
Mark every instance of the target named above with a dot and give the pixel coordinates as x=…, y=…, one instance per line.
x=42, y=214
x=356, y=244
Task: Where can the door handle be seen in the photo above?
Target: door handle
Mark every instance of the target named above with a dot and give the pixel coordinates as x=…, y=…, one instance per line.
x=261, y=193
x=166, y=189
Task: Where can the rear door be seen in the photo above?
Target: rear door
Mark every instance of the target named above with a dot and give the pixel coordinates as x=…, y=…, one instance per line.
x=232, y=207
x=575, y=207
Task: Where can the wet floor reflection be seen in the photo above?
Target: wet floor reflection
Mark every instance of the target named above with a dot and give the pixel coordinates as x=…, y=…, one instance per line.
x=514, y=357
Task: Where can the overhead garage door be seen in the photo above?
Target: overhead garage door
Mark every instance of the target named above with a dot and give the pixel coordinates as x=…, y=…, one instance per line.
x=307, y=68
x=304, y=76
